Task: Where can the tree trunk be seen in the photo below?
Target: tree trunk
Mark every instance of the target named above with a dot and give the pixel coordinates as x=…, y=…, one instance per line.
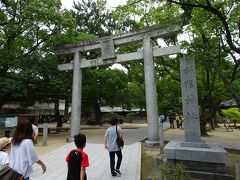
x=98, y=115
x=57, y=113
x=203, y=128
x=213, y=123
x=66, y=116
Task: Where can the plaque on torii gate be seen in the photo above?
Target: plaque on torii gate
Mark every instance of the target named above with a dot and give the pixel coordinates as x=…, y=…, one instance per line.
x=106, y=44
x=107, y=49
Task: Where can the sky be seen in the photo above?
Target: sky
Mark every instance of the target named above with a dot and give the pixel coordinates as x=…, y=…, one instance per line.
x=110, y=3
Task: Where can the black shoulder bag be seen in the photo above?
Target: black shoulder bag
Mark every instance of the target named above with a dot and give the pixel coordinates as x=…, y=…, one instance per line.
x=120, y=141
x=7, y=173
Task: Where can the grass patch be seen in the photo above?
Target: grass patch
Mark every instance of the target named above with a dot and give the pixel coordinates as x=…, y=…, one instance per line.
x=174, y=172
x=148, y=161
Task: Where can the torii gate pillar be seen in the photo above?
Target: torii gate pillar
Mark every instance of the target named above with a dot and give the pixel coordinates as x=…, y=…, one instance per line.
x=76, y=97
x=151, y=93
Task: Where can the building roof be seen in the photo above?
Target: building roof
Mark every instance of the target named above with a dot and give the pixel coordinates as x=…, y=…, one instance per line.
x=119, y=109
x=228, y=103
x=15, y=106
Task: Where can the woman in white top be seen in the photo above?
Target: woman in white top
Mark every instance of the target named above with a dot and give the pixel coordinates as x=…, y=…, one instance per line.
x=23, y=154
x=4, y=146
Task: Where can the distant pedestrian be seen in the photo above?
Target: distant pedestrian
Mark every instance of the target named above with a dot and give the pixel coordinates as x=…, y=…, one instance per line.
x=181, y=122
x=161, y=118
x=171, y=121
x=35, y=130
x=77, y=160
x=110, y=141
x=4, y=147
x=177, y=121
x=22, y=153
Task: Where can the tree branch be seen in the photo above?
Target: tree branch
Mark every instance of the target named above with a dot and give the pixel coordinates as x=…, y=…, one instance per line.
x=38, y=43
x=216, y=12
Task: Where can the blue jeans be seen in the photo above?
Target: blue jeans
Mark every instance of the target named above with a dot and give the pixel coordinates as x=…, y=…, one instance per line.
x=27, y=178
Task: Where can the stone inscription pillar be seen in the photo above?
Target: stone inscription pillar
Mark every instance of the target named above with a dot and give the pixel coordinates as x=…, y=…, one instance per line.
x=76, y=97
x=151, y=92
x=193, y=153
x=190, y=100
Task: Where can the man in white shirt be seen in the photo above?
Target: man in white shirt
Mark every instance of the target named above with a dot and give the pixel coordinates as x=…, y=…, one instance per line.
x=110, y=141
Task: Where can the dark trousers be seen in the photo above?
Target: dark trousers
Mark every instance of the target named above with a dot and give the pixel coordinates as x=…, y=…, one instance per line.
x=112, y=160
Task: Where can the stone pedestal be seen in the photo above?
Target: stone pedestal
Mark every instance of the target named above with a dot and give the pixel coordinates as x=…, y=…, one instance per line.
x=208, y=157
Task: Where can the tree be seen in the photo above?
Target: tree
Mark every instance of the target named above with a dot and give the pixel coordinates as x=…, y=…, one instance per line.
x=25, y=29
x=93, y=17
x=233, y=114
x=218, y=18
x=103, y=87
x=210, y=42
x=225, y=12
x=216, y=75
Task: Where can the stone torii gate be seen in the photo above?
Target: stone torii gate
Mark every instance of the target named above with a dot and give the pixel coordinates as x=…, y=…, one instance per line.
x=106, y=44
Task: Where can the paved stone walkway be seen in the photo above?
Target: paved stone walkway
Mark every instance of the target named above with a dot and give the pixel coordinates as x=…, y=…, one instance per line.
x=99, y=168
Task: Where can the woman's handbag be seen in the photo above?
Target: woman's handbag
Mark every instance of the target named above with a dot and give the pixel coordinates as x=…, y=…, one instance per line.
x=120, y=141
x=7, y=173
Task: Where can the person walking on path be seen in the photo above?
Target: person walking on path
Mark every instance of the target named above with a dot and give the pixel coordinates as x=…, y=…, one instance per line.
x=171, y=121
x=161, y=118
x=22, y=153
x=110, y=141
x=181, y=121
x=177, y=121
x=4, y=147
x=77, y=160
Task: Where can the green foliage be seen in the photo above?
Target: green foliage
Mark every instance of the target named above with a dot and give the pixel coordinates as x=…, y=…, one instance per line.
x=160, y=12
x=233, y=114
x=112, y=114
x=105, y=85
x=135, y=93
x=168, y=85
x=120, y=120
x=174, y=172
x=91, y=121
x=131, y=114
x=93, y=17
x=28, y=68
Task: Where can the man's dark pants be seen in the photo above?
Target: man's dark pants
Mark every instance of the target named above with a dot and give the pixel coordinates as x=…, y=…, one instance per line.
x=112, y=160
